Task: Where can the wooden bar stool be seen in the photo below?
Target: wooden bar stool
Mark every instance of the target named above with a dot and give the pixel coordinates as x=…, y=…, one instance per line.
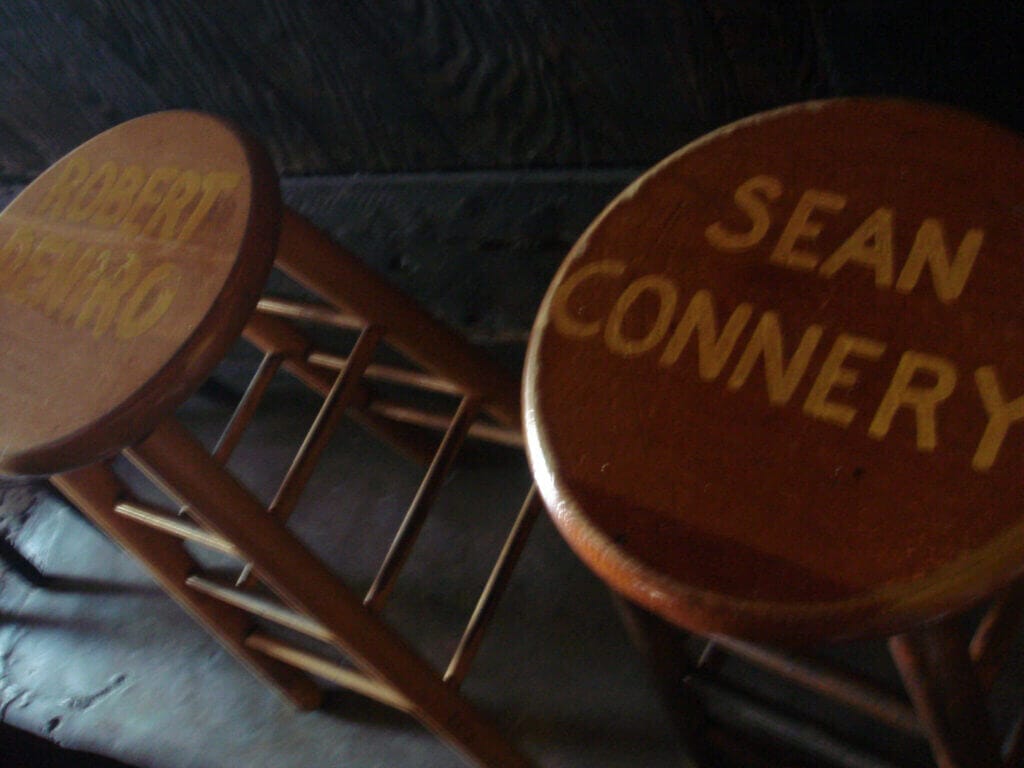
x=773, y=397
x=126, y=271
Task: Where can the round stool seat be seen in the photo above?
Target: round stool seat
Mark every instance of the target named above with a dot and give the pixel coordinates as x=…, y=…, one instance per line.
x=776, y=390
x=126, y=270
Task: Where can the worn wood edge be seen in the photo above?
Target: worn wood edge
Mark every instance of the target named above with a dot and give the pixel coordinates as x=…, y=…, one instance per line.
x=131, y=420
x=891, y=609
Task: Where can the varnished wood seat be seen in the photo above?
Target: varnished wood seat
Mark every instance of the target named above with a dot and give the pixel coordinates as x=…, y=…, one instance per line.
x=126, y=272
x=774, y=394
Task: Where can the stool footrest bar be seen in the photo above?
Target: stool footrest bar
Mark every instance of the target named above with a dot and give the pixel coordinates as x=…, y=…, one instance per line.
x=168, y=522
x=261, y=606
x=843, y=686
x=328, y=670
x=993, y=640
x=439, y=421
x=390, y=373
x=473, y=635
x=735, y=709
x=246, y=409
x=416, y=515
x=324, y=314
x=342, y=394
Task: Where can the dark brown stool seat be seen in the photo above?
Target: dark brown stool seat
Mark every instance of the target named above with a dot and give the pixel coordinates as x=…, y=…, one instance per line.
x=127, y=270
x=774, y=393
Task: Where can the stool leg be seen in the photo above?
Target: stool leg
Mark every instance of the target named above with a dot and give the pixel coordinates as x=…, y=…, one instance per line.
x=312, y=259
x=174, y=459
x=936, y=667
x=95, y=490
x=670, y=664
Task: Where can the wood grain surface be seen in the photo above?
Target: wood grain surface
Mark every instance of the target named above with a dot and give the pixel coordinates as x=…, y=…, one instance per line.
x=407, y=87
x=774, y=391
x=418, y=85
x=126, y=270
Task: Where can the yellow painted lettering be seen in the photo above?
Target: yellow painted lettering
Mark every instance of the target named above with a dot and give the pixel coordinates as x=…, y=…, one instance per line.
x=119, y=198
x=92, y=192
x=667, y=295
x=74, y=172
x=800, y=227
x=870, y=246
x=930, y=248
x=713, y=351
x=44, y=266
x=834, y=375
x=165, y=218
x=92, y=271
x=214, y=185
x=750, y=197
x=922, y=400
x=1001, y=414
x=564, y=322
x=149, y=197
x=106, y=296
x=14, y=255
x=149, y=301
x=62, y=281
x=766, y=342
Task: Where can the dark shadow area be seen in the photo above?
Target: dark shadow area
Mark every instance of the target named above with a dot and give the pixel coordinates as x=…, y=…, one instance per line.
x=23, y=750
x=21, y=565
x=39, y=621
x=79, y=584
x=99, y=586
x=352, y=707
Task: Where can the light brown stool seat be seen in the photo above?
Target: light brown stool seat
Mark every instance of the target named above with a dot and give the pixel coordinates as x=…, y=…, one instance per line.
x=774, y=393
x=126, y=272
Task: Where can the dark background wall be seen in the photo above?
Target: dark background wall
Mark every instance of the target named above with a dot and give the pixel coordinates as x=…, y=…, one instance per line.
x=461, y=146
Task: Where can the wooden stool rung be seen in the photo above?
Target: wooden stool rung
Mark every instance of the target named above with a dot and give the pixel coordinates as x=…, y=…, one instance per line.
x=342, y=393
x=486, y=606
x=324, y=314
x=737, y=710
x=440, y=422
x=96, y=491
x=168, y=522
x=263, y=607
x=308, y=256
x=390, y=373
x=935, y=664
x=842, y=685
x=710, y=656
x=247, y=407
x=994, y=636
x=416, y=515
x=272, y=334
x=174, y=457
x=328, y=670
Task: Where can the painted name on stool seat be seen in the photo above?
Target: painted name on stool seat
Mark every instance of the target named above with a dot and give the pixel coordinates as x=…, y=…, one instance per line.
x=166, y=203
x=730, y=342
x=108, y=289
x=87, y=286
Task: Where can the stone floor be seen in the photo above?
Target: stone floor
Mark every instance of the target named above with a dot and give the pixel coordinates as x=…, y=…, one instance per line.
x=105, y=663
